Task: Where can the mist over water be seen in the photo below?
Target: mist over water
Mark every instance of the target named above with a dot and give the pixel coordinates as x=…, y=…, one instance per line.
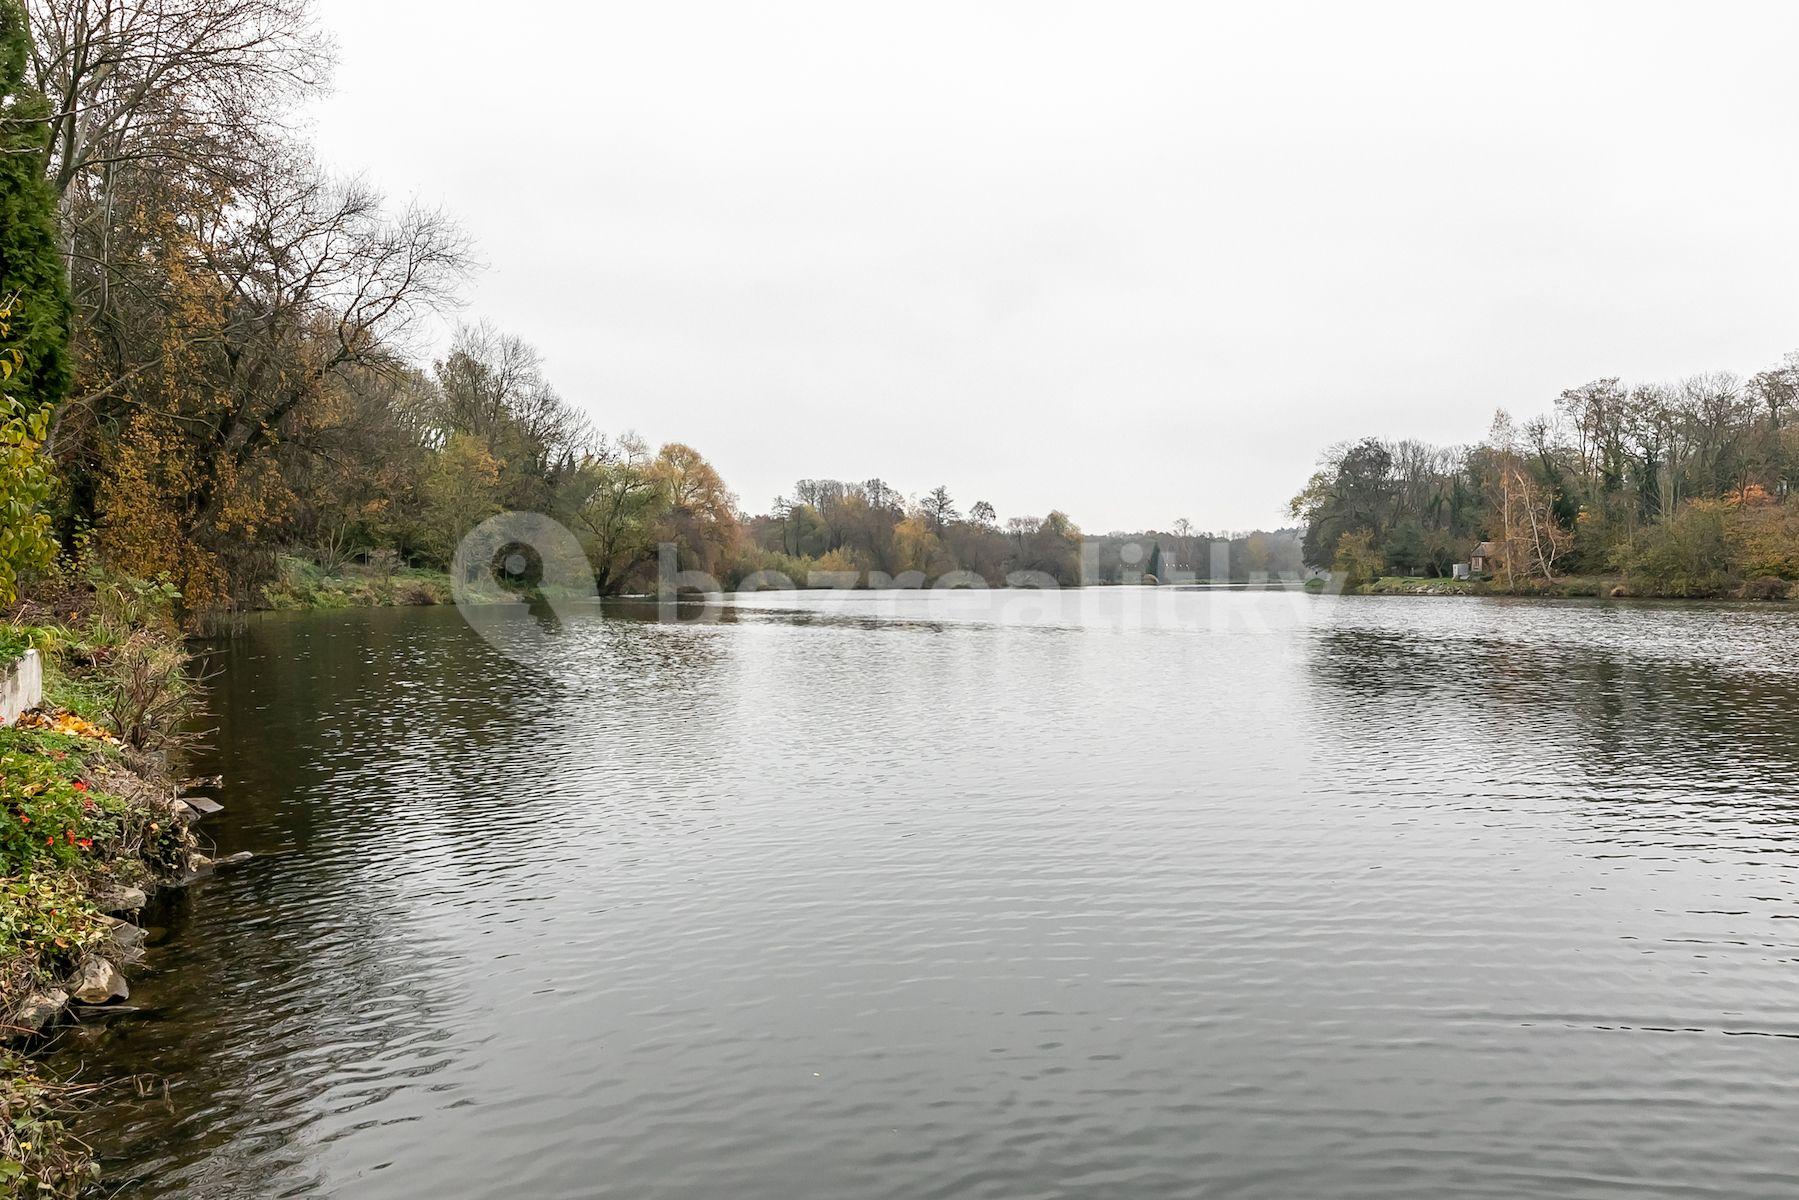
x=943, y=894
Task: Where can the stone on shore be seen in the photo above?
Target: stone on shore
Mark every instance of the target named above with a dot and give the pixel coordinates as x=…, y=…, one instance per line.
x=125, y=939
x=205, y=806
x=125, y=899
x=98, y=982
x=39, y=1009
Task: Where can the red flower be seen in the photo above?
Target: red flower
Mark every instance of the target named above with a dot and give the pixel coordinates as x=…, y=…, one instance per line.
x=86, y=843
x=81, y=785
x=49, y=841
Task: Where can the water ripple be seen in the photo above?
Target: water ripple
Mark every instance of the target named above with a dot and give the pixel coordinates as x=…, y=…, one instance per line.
x=923, y=896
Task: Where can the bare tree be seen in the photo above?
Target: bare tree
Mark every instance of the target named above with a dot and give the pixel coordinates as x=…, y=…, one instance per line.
x=197, y=83
x=318, y=277
x=1530, y=537
x=1713, y=409
x=279, y=296
x=880, y=495
x=492, y=385
x=158, y=107
x=939, y=509
x=1777, y=392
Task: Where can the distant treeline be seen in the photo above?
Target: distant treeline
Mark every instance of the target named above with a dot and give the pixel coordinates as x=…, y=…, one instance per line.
x=1681, y=489
x=827, y=525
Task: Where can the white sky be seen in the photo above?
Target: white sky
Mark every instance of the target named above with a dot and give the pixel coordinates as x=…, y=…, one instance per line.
x=1133, y=261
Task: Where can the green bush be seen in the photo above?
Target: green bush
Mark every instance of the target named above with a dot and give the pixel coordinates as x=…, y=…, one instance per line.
x=1685, y=555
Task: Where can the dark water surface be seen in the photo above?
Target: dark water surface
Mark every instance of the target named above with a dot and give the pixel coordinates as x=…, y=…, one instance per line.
x=1098, y=894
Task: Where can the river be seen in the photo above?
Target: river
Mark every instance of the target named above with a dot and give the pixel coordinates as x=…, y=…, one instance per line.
x=1105, y=893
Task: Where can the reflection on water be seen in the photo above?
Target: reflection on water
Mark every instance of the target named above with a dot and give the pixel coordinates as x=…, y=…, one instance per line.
x=1230, y=894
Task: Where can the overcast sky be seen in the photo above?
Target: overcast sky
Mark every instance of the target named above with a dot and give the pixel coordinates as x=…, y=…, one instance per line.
x=1134, y=262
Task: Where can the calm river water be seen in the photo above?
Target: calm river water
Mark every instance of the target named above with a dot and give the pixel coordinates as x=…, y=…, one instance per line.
x=1112, y=893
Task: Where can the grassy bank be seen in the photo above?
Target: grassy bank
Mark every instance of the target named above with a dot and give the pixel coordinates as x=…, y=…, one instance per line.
x=303, y=584
x=89, y=823
x=1405, y=585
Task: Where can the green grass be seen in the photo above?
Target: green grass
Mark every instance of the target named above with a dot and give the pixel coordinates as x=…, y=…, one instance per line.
x=1415, y=585
x=86, y=697
x=302, y=585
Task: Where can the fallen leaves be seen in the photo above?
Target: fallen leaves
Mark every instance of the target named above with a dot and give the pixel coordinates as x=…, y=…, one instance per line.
x=66, y=722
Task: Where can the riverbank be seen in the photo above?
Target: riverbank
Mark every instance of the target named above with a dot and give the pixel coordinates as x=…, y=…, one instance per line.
x=1573, y=587
x=305, y=585
x=1570, y=588
x=91, y=821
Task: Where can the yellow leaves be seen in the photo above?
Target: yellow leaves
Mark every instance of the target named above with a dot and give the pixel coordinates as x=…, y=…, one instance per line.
x=151, y=523
x=915, y=546
x=1358, y=559
x=65, y=722
x=1764, y=539
x=693, y=484
x=1750, y=495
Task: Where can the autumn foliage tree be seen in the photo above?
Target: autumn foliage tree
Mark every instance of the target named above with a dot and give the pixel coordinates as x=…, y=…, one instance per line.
x=287, y=293
x=700, y=518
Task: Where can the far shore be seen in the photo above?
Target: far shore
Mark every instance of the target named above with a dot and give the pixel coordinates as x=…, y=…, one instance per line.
x=357, y=587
